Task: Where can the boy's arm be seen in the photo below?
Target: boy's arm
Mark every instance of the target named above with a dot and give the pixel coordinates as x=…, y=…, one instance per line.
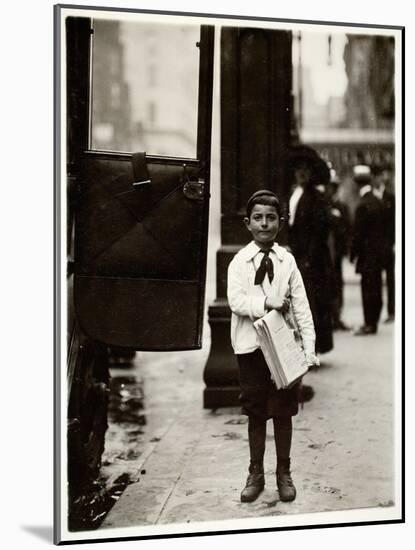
x=301, y=310
x=240, y=302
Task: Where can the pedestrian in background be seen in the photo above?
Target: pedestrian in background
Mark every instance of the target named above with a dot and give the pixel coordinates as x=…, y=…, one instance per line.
x=339, y=242
x=260, y=277
x=381, y=189
x=367, y=249
x=309, y=226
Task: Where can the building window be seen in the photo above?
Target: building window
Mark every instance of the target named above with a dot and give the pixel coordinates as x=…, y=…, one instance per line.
x=134, y=92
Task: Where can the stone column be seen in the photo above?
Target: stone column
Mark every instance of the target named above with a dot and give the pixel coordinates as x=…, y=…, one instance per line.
x=256, y=117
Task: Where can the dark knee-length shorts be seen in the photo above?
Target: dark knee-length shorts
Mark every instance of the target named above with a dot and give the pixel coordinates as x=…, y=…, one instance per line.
x=259, y=395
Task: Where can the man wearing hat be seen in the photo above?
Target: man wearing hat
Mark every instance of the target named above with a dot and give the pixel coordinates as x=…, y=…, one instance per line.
x=381, y=190
x=368, y=249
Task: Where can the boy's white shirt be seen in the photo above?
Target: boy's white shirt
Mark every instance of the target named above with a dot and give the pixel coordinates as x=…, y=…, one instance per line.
x=247, y=300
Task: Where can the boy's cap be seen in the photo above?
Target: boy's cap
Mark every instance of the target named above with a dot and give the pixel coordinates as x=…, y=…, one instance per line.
x=260, y=193
x=361, y=172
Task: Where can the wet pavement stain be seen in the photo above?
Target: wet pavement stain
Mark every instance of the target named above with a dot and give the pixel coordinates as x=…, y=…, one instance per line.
x=230, y=436
x=123, y=444
x=331, y=490
x=319, y=446
x=126, y=401
x=89, y=510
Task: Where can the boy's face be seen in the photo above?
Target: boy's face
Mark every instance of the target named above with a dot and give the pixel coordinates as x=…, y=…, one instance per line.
x=263, y=224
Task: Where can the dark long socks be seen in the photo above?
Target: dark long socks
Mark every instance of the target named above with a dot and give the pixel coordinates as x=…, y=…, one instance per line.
x=283, y=430
x=282, y=435
x=256, y=435
x=255, y=481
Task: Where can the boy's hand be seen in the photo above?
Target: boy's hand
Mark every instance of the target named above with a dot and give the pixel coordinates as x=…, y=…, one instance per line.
x=278, y=304
x=312, y=360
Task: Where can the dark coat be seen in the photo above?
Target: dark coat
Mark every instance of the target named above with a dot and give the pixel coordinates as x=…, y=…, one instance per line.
x=388, y=201
x=340, y=229
x=369, y=234
x=308, y=239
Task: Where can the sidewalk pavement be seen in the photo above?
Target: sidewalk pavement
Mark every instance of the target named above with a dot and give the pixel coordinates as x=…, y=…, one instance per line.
x=194, y=462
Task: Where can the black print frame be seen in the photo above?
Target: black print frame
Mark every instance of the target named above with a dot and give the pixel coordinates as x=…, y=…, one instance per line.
x=152, y=108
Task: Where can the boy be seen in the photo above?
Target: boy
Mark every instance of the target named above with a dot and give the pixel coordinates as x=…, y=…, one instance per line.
x=264, y=276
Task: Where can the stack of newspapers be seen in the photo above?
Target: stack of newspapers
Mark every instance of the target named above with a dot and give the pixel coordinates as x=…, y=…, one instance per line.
x=283, y=354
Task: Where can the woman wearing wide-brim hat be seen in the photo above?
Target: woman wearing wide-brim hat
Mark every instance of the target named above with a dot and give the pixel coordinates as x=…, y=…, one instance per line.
x=309, y=225
x=304, y=155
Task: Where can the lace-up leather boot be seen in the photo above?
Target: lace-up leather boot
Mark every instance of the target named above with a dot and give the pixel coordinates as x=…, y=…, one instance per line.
x=254, y=483
x=285, y=483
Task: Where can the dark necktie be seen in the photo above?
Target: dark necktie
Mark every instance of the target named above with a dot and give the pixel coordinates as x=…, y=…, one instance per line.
x=266, y=266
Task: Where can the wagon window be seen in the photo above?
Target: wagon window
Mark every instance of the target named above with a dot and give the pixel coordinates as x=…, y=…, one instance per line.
x=145, y=88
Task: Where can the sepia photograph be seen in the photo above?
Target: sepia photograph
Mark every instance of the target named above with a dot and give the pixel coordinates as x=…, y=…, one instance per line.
x=228, y=269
